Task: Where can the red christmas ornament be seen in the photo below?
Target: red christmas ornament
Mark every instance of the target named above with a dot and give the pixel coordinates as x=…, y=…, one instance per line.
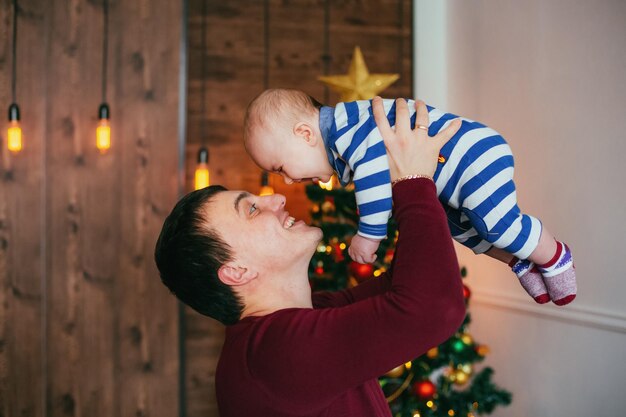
x=466, y=292
x=361, y=271
x=339, y=254
x=319, y=270
x=424, y=389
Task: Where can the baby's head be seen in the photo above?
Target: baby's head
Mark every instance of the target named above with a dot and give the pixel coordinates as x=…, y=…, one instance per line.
x=282, y=135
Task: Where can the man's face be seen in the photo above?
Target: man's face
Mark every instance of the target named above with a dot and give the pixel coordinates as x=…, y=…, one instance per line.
x=263, y=236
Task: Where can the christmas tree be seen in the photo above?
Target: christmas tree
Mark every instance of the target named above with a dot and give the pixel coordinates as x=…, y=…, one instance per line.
x=442, y=382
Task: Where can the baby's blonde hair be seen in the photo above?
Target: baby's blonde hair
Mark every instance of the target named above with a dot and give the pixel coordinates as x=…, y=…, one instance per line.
x=279, y=109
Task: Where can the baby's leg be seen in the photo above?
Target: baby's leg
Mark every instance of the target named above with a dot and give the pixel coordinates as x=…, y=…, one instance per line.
x=556, y=264
x=478, y=179
x=529, y=276
x=527, y=272
x=523, y=236
x=491, y=208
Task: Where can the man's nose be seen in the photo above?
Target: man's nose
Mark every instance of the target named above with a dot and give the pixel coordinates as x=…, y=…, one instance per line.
x=274, y=202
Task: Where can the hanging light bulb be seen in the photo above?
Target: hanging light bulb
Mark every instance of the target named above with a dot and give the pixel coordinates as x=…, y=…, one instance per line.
x=202, y=169
x=103, y=131
x=266, y=189
x=14, y=134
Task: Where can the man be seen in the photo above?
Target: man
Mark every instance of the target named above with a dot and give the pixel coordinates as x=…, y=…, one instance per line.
x=240, y=258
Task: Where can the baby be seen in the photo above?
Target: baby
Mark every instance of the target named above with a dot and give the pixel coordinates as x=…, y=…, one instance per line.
x=290, y=133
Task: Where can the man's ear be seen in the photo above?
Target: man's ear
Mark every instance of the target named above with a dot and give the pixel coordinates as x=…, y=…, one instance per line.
x=306, y=132
x=234, y=275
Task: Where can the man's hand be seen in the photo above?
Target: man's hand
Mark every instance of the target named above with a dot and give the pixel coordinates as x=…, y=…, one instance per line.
x=363, y=250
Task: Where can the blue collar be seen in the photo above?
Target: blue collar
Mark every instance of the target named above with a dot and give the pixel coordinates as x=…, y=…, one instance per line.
x=327, y=120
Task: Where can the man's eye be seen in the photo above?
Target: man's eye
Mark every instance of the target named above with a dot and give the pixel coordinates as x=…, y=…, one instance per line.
x=253, y=208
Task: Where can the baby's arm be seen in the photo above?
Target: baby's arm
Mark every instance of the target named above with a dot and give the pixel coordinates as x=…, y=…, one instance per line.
x=372, y=182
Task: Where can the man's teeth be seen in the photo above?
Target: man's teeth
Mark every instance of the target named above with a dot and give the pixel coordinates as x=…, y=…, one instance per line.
x=289, y=222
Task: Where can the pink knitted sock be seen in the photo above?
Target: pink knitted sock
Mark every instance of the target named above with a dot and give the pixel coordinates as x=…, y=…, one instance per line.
x=559, y=275
x=530, y=278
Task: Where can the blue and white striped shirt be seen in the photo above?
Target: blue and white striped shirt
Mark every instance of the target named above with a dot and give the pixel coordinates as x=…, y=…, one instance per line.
x=476, y=179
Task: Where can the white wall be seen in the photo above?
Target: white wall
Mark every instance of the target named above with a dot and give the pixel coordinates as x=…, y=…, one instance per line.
x=550, y=75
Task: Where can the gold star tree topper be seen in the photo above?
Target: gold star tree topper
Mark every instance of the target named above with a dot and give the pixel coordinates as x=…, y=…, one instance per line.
x=359, y=84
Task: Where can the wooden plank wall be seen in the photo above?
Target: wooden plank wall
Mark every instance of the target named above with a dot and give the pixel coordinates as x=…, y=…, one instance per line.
x=86, y=327
x=235, y=72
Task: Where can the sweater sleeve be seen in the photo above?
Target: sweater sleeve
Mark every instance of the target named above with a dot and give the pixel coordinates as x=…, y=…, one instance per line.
x=305, y=358
x=369, y=288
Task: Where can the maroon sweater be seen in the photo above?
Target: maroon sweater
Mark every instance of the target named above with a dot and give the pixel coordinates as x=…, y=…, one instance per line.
x=324, y=361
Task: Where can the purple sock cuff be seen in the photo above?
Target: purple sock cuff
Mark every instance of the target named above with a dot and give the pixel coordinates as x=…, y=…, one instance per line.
x=521, y=267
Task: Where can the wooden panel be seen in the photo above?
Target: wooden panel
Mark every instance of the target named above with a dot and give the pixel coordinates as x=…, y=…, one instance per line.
x=383, y=31
x=235, y=73
x=146, y=92
x=82, y=204
x=21, y=252
x=86, y=327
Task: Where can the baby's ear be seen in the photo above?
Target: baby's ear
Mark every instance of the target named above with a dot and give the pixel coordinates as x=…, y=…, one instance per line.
x=306, y=132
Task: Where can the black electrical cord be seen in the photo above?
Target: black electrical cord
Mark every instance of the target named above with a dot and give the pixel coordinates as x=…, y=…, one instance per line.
x=203, y=73
x=105, y=47
x=14, y=63
x=266, y=37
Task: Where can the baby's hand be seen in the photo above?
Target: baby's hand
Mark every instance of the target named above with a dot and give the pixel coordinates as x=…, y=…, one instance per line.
x=363, y=250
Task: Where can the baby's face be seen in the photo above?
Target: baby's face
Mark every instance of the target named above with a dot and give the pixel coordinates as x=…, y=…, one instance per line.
x=291, y=156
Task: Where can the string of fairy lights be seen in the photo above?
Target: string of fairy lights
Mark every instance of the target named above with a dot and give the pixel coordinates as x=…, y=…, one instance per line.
x=15, y=141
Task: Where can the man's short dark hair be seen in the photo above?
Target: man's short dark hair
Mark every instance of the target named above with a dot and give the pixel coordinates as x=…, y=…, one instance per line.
x=188, y=255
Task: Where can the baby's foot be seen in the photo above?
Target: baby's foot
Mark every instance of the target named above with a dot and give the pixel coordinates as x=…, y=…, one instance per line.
x=531, y=279
x=560, y=276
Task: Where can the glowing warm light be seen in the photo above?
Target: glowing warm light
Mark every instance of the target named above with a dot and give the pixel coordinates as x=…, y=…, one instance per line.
x=377, y=273
x=14, y=133
x=326, y=185
x=451, y=413
x=14, y=136
x=408, y=365
x=201, y=176
x=430, y=404
x=342, y=246
x=103, y=131
x=103, y=136
x=266, y=188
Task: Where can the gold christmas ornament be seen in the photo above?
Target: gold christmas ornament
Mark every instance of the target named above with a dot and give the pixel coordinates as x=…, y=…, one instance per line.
x=327, y=207
x=460, y=377
x=467, y=338
x=482, y=350
x=396, y=372
x=433, y=352
x=358, y=83
x=466, y=367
